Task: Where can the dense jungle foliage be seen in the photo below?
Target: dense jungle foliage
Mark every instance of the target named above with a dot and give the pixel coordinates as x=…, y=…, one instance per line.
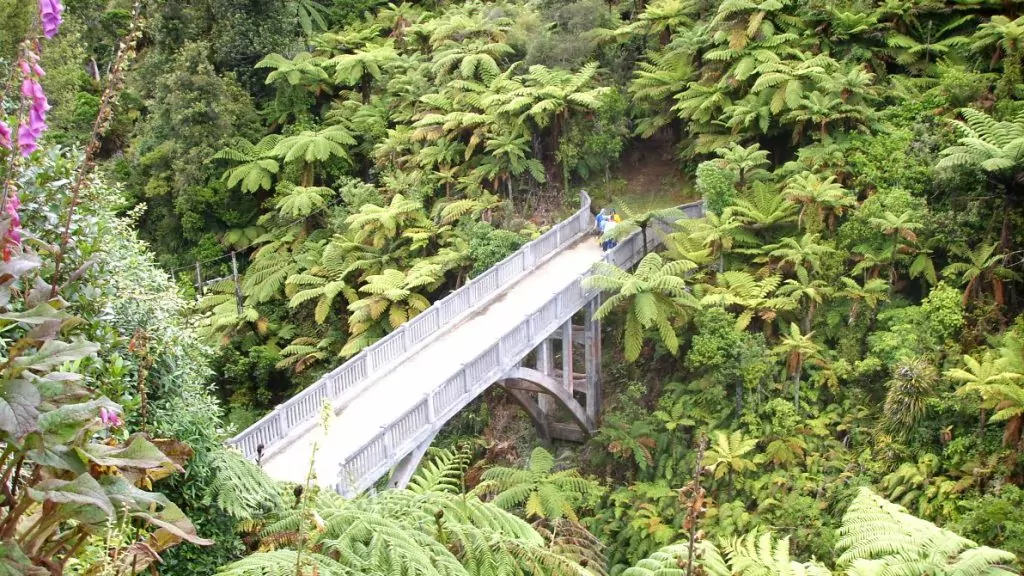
x=207, y=205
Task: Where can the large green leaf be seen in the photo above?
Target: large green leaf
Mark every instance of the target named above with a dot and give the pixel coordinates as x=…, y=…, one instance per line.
x=37, y=315
x=17, y=267
x=54, y=353
x=14, y=562
x=19, y=408
x=171, y=520
x=68, y=421
x=82, y=498
x=55, y=456
x=139, y=454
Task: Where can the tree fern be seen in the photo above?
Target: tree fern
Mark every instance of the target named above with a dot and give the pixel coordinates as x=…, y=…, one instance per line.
x=442, y=470
x=240, y=488
x=875, y=530
x=407, y=532
x=655, y=295
x=537, y=489
x=877, y=538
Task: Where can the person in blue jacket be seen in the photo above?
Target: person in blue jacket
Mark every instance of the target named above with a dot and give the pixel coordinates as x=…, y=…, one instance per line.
x=602, y=217
x=609, y=224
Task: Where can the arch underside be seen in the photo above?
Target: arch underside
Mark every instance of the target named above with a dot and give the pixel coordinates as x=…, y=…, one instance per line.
x=521, y=381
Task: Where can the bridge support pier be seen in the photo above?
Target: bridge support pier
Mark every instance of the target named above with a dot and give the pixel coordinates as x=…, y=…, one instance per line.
x=407, y=466
x=547, y=392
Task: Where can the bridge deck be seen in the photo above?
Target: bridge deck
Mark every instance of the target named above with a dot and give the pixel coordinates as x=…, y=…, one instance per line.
x=394, y=392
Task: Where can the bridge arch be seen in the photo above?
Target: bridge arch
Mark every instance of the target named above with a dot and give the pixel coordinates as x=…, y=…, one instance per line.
x=544, y=392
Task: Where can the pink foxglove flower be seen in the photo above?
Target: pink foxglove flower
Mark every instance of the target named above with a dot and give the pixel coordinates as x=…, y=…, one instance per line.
x=109, y=418
x=50, y=14
x=12, y=237
x=5, y=135
x=32, y=129
x=14, y=229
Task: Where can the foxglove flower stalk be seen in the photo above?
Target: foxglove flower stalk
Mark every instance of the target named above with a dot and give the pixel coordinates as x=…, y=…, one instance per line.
x=14, y=230
x=32, y=129
x=50, y=15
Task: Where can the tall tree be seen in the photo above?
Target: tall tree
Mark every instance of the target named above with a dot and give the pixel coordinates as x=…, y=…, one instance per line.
x=981, y=266
x=797, y=348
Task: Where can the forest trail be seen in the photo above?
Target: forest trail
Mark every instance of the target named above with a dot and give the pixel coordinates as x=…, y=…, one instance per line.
x=400, y=389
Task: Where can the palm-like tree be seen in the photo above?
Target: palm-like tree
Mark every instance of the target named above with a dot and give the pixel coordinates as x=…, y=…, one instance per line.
x=901, y=233
x=826, y=196
x=362, y=68
x=256, y=170
x=811, y=292
x=743, y=20
x=509, y=156
x=430, y=528
x=654, y=85
x=444, y=156
x=981, y=266
x=764, y=210
x=377, y=225
x=310, y=147
x=719, y=234
x=636, y=218
x=305, y=69
x=997, y=148
x=786, y=82
x=853, y=83
x=824, y=110
x=797, y=348
x=927, y=42
x=703, y=103
x=728, y=455
x=654, y=296
x=301, y=201
x=797, y=254
x=543, y=493
x=870, y=293
x=753, y=297
x=1004, y=38
x=322, y=284
x=748, y=163
x=391, y=300
x=993, y=380
x=548, y=97
x=472, y=61
x=876, y=537
x=661, y=18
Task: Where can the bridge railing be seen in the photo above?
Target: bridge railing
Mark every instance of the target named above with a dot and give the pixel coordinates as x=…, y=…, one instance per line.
x=395, y=439
x=301, y=411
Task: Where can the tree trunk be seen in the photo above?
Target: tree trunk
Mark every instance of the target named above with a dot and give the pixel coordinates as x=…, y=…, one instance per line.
x=1006, y=234
x=796, y=383
x=364, y=88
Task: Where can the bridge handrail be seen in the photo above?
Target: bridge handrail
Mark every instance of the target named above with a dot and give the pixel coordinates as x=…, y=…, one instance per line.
x=376, y=456
x=304, y=407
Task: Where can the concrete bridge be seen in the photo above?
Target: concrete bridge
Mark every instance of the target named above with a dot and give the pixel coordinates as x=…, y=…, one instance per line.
x=391, y=399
